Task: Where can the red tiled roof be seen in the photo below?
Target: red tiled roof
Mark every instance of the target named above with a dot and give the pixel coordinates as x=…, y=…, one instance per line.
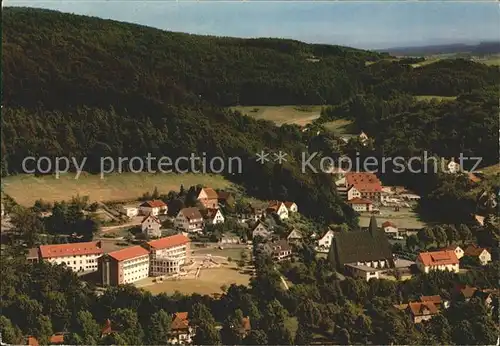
x=155, y=219
x=211, y=193
x=245, y=325
x=359, y=201
x=73, y=249
x=168, y=242
x=451, y=247
x=474, y=178
x=438, y=258
x=154, y=204
x=223, y=195
x=364, y=182
x=436, y=299
x=180, y=321
x=473, y=250
x=289, y=204
x=418, y=308
x=129, y=253
x=54, y=339
x=389, y=224
x=107, y=328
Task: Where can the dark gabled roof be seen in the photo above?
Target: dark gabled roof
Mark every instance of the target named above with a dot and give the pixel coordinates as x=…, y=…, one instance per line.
x=360, y=246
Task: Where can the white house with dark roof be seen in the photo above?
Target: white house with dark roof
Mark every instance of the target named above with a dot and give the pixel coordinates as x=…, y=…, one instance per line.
x=213, y=216
x=260, y=230
x=189, y=220
x=325, y=241
x=294, y=236
x=151, y=226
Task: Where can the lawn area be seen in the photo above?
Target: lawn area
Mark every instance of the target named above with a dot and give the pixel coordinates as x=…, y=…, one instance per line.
x=435, y=97
x=403, y=219
x=339, y=127
x=27, y=188
x=299, y=115
x=209, y=282
x=234, y=253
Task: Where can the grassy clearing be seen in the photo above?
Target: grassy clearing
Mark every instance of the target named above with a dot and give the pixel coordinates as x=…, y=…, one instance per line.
x=339, y=127
x=435, y=97
x=26, y=189
x=209, y=282
x=427, y=61
x=403, y=219
x=299, y=115
x=490, y=61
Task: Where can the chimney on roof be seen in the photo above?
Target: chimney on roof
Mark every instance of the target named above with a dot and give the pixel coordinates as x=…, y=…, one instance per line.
x=373, y=225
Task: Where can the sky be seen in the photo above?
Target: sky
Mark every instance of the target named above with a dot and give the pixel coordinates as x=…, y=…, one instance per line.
x=369, y=25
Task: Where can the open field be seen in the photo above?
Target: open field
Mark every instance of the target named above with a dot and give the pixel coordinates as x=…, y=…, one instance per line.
x=403, y=219
x=209, y=282
x=339, y=127
x=435, y=97
x=426, y=62
x=26, y=189
x=493, y=60
x=299, y=115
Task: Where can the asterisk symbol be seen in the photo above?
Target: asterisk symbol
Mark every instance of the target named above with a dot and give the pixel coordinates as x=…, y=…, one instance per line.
x=262, y=157
x=280, y=157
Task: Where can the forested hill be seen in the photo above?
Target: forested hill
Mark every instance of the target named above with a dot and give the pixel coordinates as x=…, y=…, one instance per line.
x=99, y=58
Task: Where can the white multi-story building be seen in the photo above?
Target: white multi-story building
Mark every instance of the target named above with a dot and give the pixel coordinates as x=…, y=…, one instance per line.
x=130, y=211
x=189, y=220
x=125, y=266
x=438, y=260
x=326, y=240
x=80, y=257
x=168, y=254
x=278, y=208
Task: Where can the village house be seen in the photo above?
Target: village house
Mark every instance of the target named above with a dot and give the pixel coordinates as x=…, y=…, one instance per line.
x=151, y=226
x=436, y=300
x=422, y=311
x=438, y=260
x=33, y=255
x=154, y=207
x=208, y=197
x=280, y=250
x=168, y=255
x=466, y=293
x=245, y=327
x=456, y=249
x=353, y=193
x=481, y=254
x=279, y=209
x=292, y=207
x=260, y=230
x=367, y=186
x=130, y=211
x=325, y=241
x=255, y=212
x=225, y=198
x=229, y=240
x=124, y=266
x=181, y=331
x=213, y=216
x=79, y=257
x=359, y=204
x=189, y=220
x=295, y=236
x=362, y=254
x=390, y=228
x=55, y=339
x=453, y=167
